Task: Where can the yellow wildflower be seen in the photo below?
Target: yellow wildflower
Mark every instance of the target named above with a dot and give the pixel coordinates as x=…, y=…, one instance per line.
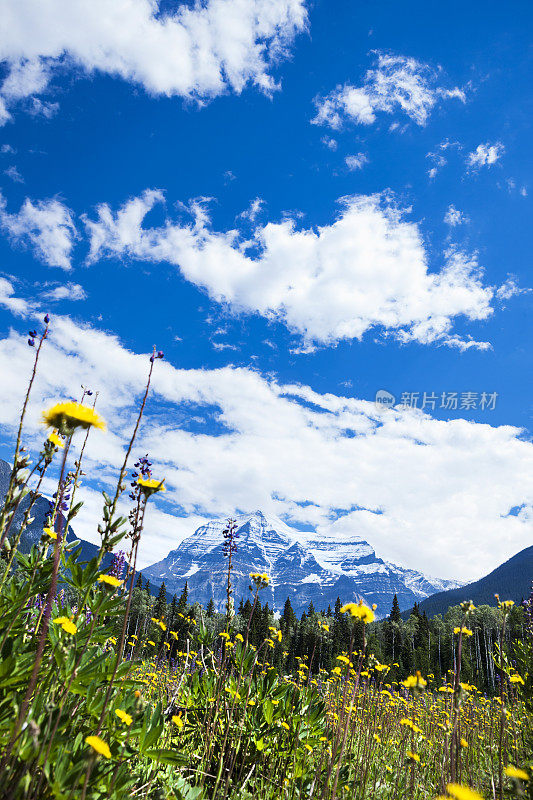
x=55, y=439
x=98, y=745
x=260, y=579
x=464, y=631
x=516, y=772
x=177, y=721
x=122, y=715
x=67, y=624
x=415, y=681
x=109, y=580
x=358, y=611
x=413, y=756
x=50, y=532
x=66, y=417
x=462, y=792
x=149, y=486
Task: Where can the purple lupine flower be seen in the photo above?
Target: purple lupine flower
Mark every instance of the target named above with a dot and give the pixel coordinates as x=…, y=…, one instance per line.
x=46, y=319
x=119, y=562
x=31, y=342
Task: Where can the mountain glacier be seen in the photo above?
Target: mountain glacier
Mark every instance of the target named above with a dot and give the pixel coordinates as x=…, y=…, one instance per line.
x=301, y=567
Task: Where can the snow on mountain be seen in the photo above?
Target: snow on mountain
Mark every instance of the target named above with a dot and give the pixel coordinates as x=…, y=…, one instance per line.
x=300, y=566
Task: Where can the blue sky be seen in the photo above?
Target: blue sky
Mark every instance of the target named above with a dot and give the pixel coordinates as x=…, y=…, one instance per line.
x=418, y=281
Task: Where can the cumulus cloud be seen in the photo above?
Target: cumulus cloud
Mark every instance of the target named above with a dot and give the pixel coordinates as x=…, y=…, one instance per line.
x=9, y=300
x=396, y=84
x=66, y=291
x=485, y=155
x=197, y=50
x=454, y=217
x=357, y=161
x=46, y=226
x=415, y=487
x=368, y=269
x=253, y=210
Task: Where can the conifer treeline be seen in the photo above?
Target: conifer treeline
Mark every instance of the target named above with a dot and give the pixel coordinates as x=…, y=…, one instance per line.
x=319, y=637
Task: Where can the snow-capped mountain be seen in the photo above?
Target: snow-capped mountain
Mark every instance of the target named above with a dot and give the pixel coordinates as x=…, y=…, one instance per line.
x=300, y=566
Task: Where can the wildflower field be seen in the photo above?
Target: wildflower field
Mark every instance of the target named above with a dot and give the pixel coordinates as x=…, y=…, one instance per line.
x=108, y=693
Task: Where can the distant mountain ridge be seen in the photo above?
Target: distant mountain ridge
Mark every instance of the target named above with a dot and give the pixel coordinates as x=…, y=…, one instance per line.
x=300, y=566
x=512, y=580
x=34, y=530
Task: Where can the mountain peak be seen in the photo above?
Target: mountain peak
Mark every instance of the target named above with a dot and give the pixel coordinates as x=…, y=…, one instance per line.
x=302, y=567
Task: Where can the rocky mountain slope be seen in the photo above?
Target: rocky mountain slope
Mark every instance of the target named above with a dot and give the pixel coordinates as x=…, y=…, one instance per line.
x=300, y=566
x=512, y=580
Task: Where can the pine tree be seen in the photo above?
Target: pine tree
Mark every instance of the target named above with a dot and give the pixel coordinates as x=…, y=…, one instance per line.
x=182, y=602
x=395, y=613
x=311, y=609
x=288, y=620
x=160, y=605
x=210, y=610
x=139, y=584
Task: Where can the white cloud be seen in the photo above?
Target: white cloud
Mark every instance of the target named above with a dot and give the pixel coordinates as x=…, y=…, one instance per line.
x=330, y=143
x=356, y=161
x=46, y=225
x=9, y=300
x=509, y=289
x=454, y=217
x=198, y=50
x=13, y=173
x=67, y=291
x=437, y=157
x=435, y=484
x=485, y=155
x=253, y=210
x=397, y=83
x=367, y=269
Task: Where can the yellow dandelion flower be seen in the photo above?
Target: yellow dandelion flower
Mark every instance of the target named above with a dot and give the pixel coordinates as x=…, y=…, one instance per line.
x=127, y=719
x=358, y=611
x=149, y=486
x=98, y=745
x=464, y=743
x=462, y=792
x=415, y=681
x=177, y=721
x=413, y=756
x=55, y=439
x=464, y=631
x=67, y=624
x=66, y=417
x=516, y=772
x=109, y=580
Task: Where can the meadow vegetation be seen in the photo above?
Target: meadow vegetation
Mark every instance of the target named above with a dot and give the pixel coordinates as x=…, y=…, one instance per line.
x=107, y=692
